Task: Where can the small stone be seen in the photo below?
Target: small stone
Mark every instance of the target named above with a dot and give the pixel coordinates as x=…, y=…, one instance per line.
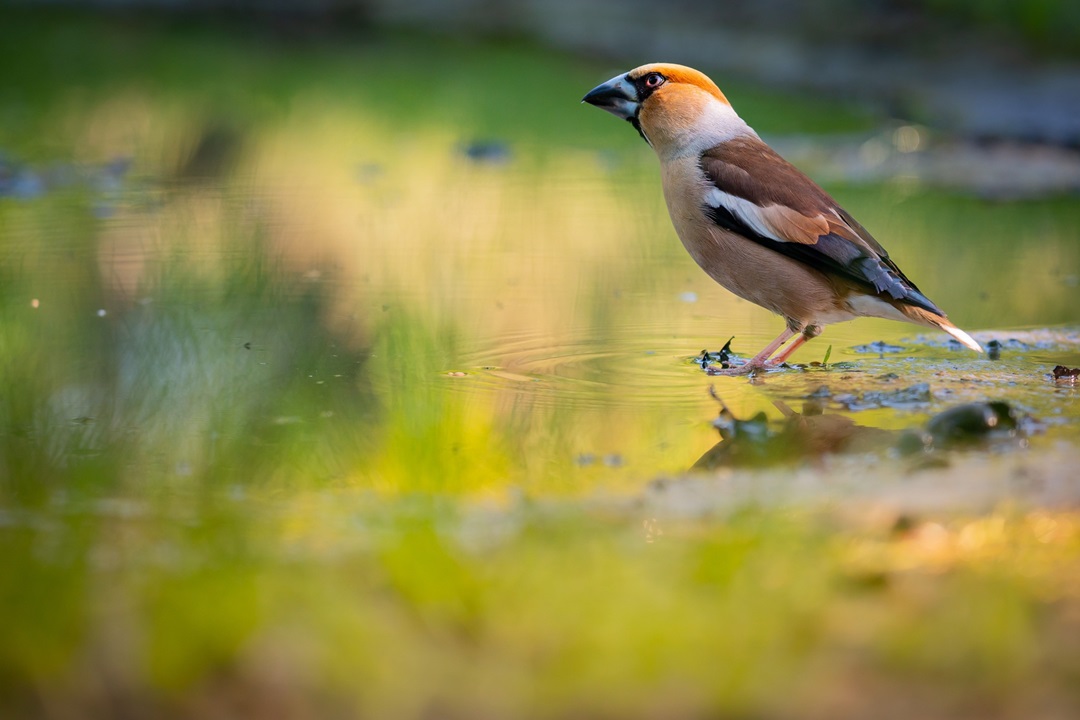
x=1066, y=374
x=487, y=151
x=613, y=460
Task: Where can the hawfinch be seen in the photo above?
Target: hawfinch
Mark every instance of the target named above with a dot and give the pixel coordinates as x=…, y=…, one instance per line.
x=753, y=222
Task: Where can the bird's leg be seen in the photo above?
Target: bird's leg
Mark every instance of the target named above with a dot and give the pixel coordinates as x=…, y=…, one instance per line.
x=809, y=333
x=782, y=357
x=758, y=361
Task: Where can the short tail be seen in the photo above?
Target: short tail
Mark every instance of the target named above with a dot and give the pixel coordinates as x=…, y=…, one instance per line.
x=925, y=317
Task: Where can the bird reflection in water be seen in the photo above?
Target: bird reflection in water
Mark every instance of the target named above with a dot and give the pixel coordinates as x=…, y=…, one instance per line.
x=811, y=434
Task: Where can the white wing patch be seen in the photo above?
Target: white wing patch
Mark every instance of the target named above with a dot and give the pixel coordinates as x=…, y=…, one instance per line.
x=744, y=210
x=776, y=222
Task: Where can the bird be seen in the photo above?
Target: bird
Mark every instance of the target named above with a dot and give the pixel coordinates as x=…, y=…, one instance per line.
x=754, y=222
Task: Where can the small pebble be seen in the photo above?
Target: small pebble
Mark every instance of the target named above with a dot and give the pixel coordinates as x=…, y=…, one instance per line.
x=487, y=151
x=613, y=460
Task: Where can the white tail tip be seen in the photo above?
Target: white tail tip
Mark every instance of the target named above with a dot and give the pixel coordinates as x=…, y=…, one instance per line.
x=963, y=337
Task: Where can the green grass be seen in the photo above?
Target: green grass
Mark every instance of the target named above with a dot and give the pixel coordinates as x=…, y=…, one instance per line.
x=492, y=90
x=337, y=604
x=1048, y=27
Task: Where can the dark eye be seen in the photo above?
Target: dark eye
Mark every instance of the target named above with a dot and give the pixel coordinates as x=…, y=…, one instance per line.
x=654, y=80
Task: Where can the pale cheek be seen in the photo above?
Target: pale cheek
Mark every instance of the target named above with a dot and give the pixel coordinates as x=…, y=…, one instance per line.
x=670, y=121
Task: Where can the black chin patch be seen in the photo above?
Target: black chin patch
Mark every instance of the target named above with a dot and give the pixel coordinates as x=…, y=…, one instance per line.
x=637, y=126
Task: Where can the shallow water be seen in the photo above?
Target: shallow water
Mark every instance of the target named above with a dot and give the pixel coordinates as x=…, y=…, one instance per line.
x=262, y=314
x=527, y=300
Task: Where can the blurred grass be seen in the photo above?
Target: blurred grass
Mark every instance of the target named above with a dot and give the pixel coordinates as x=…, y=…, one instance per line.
x=1049, y=27
x=490, y=88
x=337, y=605
x=237, y=479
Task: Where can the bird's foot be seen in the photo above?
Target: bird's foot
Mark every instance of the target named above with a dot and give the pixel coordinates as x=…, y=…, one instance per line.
x=748, y=368
x=734, y=370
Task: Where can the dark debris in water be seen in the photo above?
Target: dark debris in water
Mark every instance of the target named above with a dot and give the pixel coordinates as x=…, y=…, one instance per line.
x=1015, y=344
x=1021, y=341
x=1064, y=374
x=611, y=460
x=969, y=424
x=995, y=346
x=909, y=397
x=722, y=358
x=489, y=152
x=756, y=442
x=878, y=347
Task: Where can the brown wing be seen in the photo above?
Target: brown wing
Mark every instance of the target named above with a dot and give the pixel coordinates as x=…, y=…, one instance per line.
x=766, y=199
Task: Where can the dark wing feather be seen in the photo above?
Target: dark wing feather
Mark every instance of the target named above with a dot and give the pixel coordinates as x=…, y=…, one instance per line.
x=748, y=169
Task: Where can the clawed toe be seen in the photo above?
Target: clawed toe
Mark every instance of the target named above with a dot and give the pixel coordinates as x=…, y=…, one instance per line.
x=746, y=369
x=733, y=370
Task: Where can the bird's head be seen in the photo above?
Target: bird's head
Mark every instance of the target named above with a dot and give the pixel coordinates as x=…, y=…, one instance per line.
x=674, y=107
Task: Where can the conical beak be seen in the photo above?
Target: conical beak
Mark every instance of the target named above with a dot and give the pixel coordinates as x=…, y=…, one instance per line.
x=618, y=96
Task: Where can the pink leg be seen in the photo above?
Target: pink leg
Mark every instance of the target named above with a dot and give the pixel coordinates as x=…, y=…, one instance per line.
x=782, y=357
x=759, y=361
